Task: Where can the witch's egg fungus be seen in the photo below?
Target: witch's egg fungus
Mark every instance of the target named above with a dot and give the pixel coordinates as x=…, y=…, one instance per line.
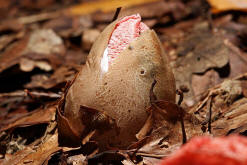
x=107, y=100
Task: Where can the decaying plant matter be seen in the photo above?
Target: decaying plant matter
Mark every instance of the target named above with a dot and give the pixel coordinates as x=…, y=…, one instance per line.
x=120, y=94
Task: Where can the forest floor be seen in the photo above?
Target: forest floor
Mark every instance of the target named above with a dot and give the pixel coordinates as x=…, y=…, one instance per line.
x=43, y=44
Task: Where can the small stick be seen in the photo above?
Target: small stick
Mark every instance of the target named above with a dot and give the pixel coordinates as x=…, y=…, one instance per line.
x=181, y=96
x=209, y=107
x=151, y=155
x=29, y=93
x=183, y=131
x=116, y=13
x=180, y=93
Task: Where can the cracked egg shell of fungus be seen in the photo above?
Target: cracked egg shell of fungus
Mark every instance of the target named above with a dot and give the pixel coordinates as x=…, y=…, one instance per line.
x=117, y=82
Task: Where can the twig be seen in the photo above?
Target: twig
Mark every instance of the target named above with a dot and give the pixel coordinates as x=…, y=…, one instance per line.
x=183, y=131
x=32, y=94
x=151, y=155
x=208, y=119
x=180, y=93
x=38, y=17
x=209, y=107
x=116, y=13
x=181, y=96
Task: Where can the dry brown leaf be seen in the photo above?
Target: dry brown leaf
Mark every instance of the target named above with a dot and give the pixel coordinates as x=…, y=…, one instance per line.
x=32, y=118
x=127, y=162
x=43, y=152
x=234, y=118
x=33, y=94
x=201, y=83
x=200, y=51
x=228, y=107
x=37, y=156
x=77, y=159
x=225, y=120
x=44, y=42
x=17, y=157
x=15, y=50
x=204, y=50
x=66, y=133
x=174, y=19
x=94, y=124
x=69, y=26
x=41, y=45
x=237, y=60
x=244, y=87
x=151, y=161
x=11, y=24
x=96, y=120
x=147, y=127
x=5, y=40
x=58, y=78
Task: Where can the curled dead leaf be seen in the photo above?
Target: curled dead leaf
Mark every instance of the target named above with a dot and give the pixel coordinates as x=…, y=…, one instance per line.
x=93, y=124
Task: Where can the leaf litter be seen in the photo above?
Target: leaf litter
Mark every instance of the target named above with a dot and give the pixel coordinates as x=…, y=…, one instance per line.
x=42, y=49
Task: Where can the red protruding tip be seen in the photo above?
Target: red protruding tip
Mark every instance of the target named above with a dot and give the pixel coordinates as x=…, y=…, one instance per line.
x=126, y=30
